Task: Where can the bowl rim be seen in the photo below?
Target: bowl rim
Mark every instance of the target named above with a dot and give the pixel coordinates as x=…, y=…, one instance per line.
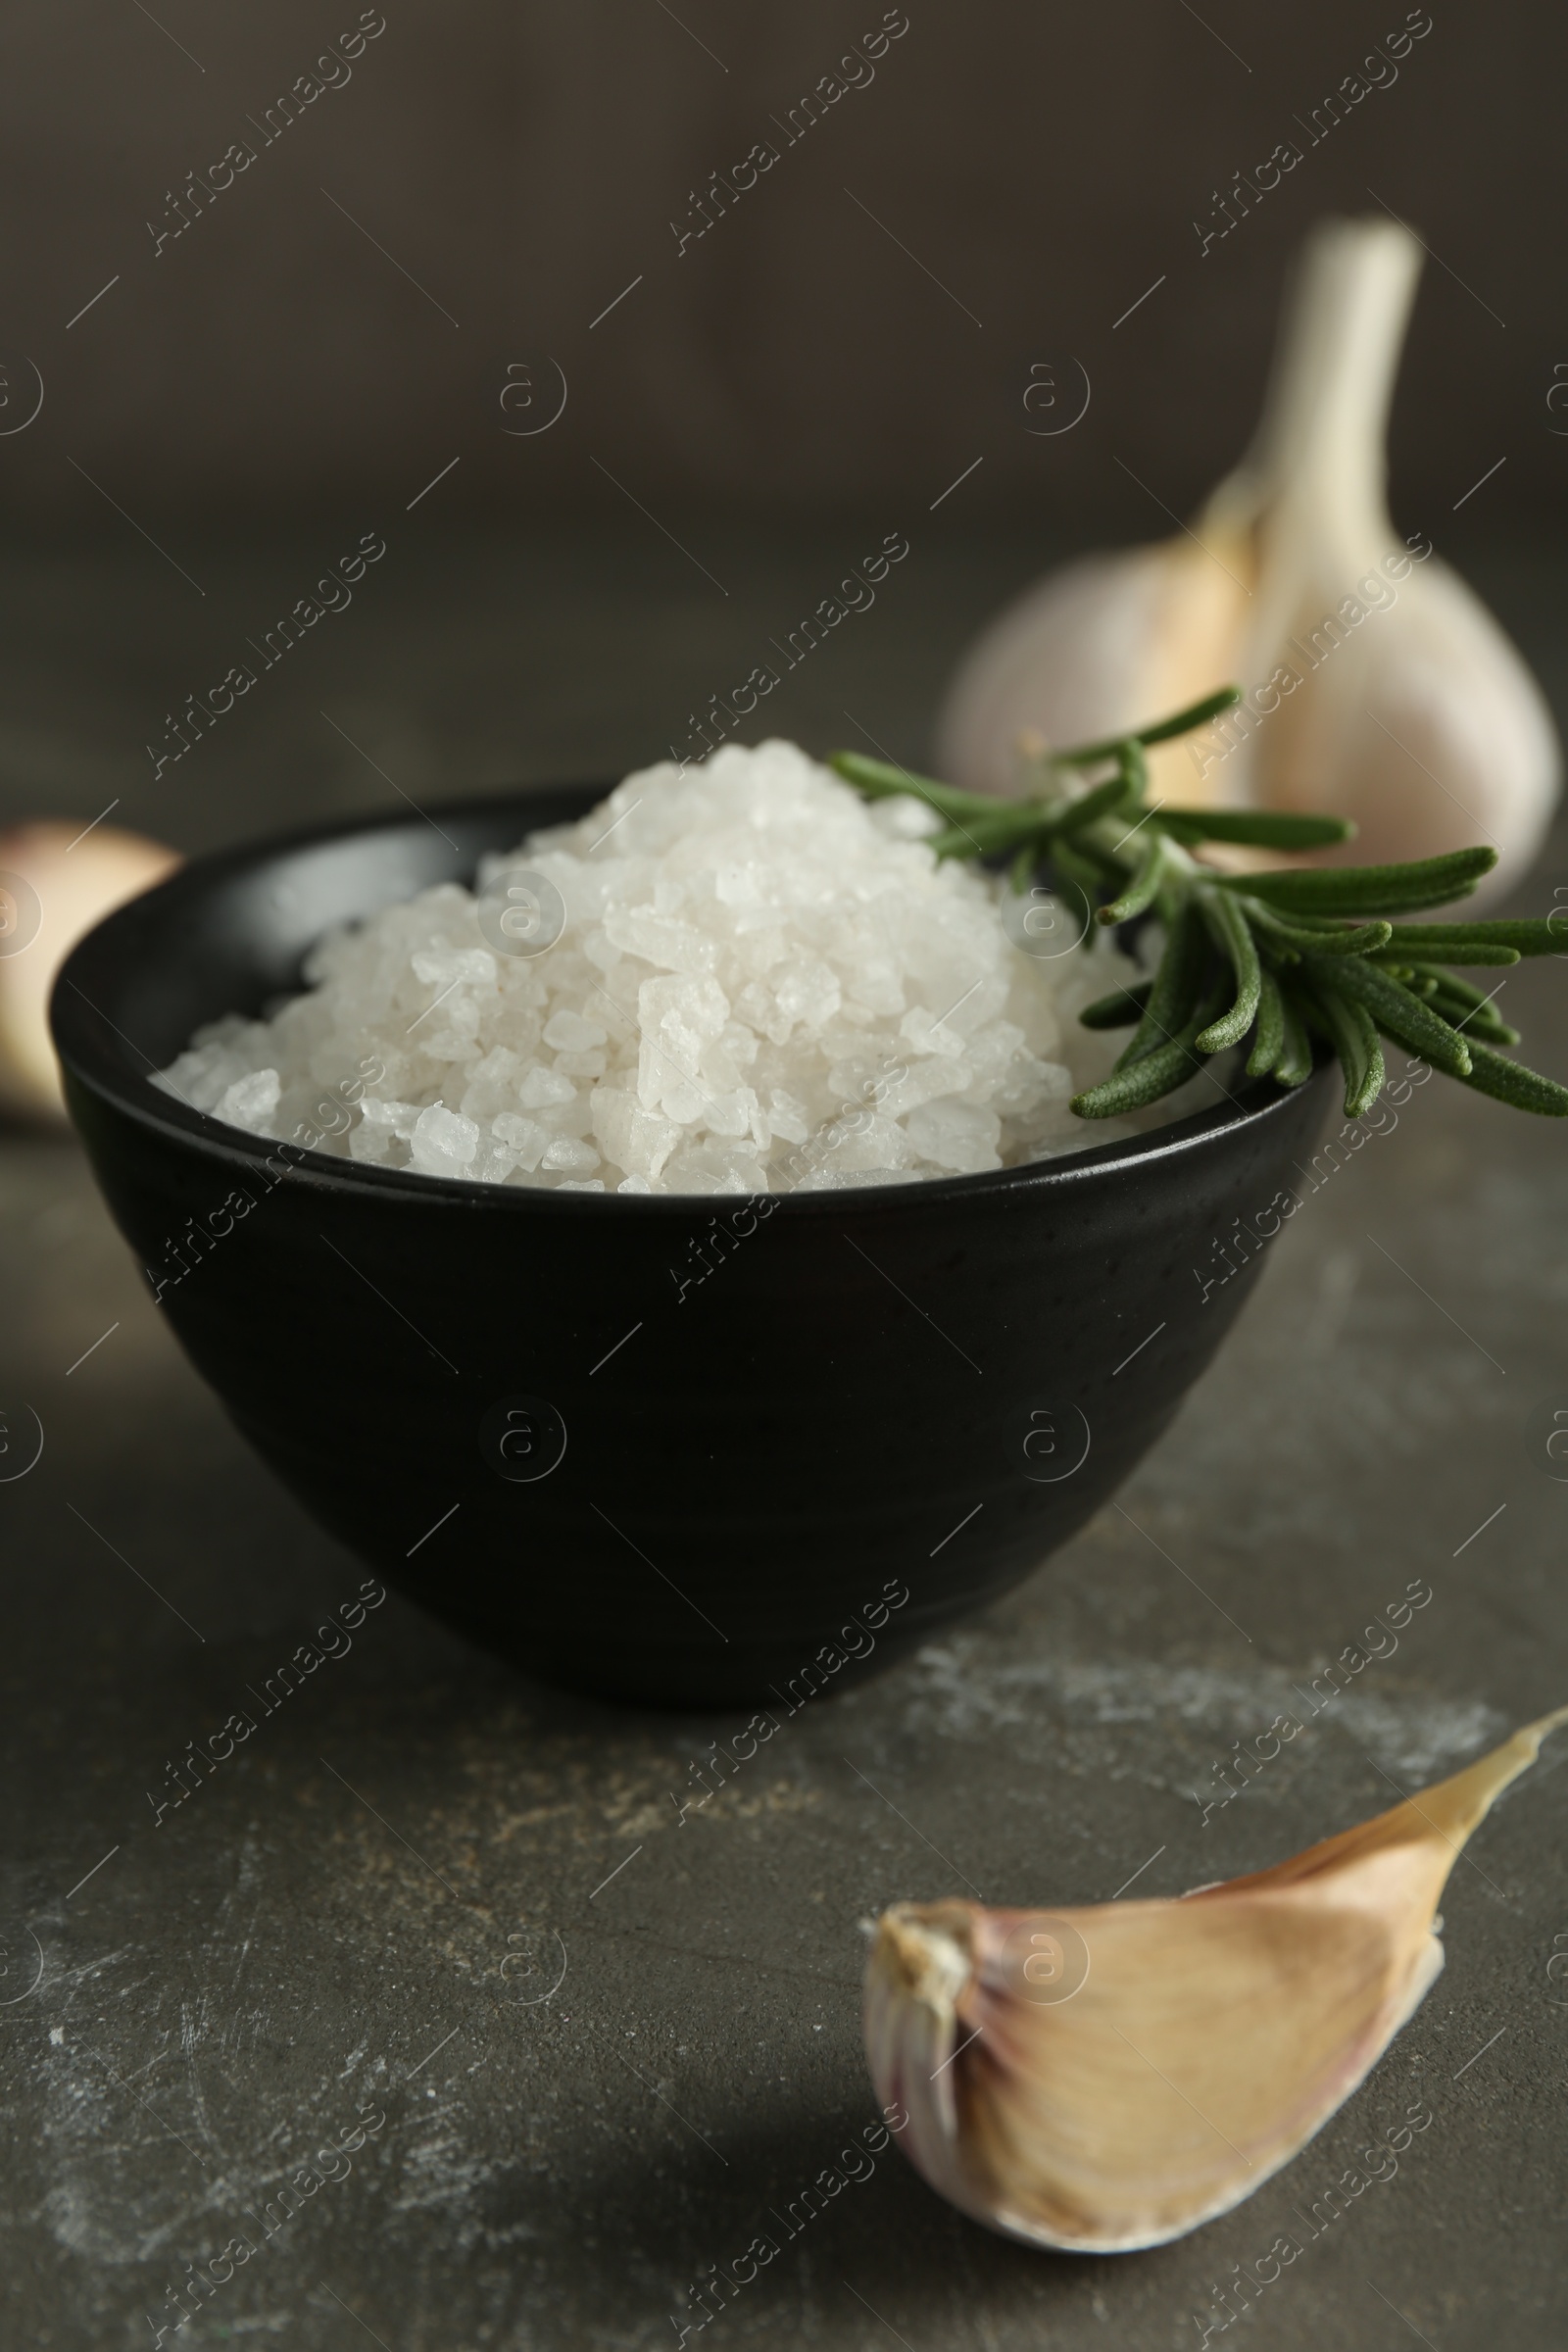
x=134, y=1097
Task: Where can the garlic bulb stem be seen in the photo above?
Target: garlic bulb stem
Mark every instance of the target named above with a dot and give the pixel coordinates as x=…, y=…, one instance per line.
x=1326, y=412
x=1310, y=496
x=1376, y=690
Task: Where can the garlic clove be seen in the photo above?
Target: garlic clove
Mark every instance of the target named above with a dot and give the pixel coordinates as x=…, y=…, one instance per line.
x=1092, y=650
x=1378, y=687
x=69, y=880
x=1109, y=2078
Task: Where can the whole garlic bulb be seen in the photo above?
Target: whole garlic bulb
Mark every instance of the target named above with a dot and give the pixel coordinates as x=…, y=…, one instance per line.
x=1101, y=2079
x=1377, y=685
x=57, y=879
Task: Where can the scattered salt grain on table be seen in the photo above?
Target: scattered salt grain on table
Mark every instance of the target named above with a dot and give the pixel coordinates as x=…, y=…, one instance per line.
x=762, y=982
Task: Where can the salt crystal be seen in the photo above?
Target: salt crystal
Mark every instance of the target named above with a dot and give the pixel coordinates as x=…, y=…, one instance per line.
x=956, y=1135
x=570, y=1156
x=250, y=1102
x=541, y=1086
x=524, y=1138
x=444, y=1143
x=570, y=1033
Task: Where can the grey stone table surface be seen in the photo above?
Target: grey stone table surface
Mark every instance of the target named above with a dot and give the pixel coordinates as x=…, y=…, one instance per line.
x=578, y=2049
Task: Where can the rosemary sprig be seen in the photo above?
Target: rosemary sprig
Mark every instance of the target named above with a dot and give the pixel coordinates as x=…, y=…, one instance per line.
x=1284, y=957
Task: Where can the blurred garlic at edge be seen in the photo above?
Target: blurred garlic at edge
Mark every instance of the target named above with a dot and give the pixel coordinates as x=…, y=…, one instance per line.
x=1378, y=687
x=1107, y=2078
x=72, y=879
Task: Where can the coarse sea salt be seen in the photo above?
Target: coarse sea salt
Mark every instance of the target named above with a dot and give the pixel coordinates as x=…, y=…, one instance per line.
x=762, y=983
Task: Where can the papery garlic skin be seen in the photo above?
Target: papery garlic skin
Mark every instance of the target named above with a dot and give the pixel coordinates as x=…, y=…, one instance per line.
x=1452, y=744
x=1105, y=2079
x=1417, y=719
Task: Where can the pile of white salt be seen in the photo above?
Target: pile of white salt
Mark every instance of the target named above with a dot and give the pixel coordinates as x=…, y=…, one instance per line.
x=756, y=981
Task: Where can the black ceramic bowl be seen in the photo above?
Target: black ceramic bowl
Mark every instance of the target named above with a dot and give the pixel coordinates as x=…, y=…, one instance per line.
x=877, y=1412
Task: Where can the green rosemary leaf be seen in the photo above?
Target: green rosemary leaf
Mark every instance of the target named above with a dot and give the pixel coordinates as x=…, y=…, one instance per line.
x=1103, y=801
x=1080, y=864
x=1354, y=1039
x=1023, y=867
x=1526, y=935
x=1228, y=927
x=1452, y=986
x=1269, y=1043
x=880, y=781
x=1134, y=767
x=1326, y=938
x=1196, y=714
x=1470, y=955
x=1143, y=888
x=1265, y=828
x=1510, y=1082
x=1471, y=1013
x=1473, y=1021
x=1119, y=1011
x=1154, y=1074
x=1406, y=1018
x=1174, y=995
x=1083, y=755
x=1301, y=919
x=985, y=836
x=1368, y=889
x=1293, y=1064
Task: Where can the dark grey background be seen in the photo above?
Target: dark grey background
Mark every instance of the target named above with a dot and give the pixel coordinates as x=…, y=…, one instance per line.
x=523, y=164
x=326, y=1926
